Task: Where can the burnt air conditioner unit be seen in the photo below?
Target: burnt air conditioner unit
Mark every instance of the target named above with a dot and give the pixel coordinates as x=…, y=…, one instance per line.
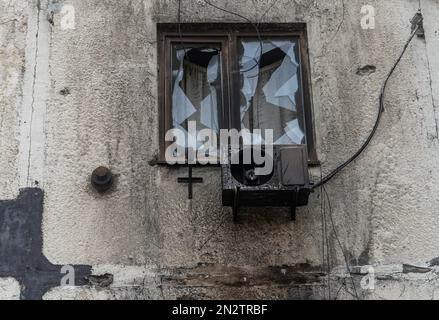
x=287, y=185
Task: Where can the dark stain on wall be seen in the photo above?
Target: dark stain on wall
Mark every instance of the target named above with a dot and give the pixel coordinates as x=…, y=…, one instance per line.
x=21, y=247
x=407, y=268
x=366, y=70
x=220, y=275
x=217, y=281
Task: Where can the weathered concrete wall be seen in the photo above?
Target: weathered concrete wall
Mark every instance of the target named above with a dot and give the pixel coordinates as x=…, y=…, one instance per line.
x=75, y=99
x=13, y=29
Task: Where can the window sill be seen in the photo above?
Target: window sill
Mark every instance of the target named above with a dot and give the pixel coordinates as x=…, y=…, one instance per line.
x=161, y=163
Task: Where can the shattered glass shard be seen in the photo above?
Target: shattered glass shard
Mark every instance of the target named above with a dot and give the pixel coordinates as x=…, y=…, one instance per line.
x=196, y=88
x=294, y=132
x=285, y=139
x=212, y=69
x=182, y=106
x=283, y=85
x=270, y=88
x=209, y=108
x=209, y=111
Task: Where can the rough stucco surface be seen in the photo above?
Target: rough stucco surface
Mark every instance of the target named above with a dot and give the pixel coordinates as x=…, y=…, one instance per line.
x=9, y=289
x=145, y=232
x=13, y=26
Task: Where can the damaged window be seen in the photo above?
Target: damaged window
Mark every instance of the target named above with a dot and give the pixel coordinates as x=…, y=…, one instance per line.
x=270, y=89
x=196, y=87
x=224, y=76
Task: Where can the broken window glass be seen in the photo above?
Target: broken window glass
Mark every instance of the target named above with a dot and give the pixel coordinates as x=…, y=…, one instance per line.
x=196, y=86
x=270, y=88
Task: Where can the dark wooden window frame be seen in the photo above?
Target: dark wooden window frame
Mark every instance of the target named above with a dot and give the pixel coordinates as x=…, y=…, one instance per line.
x=227, y=35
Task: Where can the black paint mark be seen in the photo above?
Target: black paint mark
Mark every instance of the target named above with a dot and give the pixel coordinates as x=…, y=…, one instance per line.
x=21, y=246
x=101, y=281
x=434, y=262
x=406, y=268
x=65, y=92
x=366, y=70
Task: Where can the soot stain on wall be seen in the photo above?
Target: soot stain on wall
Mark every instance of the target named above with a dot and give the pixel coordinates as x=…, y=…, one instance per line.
x=21, y=247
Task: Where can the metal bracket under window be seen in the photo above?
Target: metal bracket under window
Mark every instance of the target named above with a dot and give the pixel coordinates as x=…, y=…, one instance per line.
x=418, y=21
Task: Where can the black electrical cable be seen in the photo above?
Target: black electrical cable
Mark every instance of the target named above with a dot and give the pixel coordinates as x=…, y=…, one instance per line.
x=331, y=219
x=377, y=121
x=180, y=34
x=266, y=11
x=179, y=27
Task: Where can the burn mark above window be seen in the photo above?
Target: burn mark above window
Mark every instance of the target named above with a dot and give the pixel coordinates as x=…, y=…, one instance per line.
x=228, y=77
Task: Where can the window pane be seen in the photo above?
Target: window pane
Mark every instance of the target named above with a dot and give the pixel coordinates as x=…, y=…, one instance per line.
x=271, y=95
x=196, y=87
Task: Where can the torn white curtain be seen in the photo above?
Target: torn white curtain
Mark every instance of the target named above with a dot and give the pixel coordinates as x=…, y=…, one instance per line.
x=182, y=107
x=209, y=108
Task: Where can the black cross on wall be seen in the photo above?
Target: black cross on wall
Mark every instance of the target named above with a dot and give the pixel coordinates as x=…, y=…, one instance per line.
x=190, y=180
